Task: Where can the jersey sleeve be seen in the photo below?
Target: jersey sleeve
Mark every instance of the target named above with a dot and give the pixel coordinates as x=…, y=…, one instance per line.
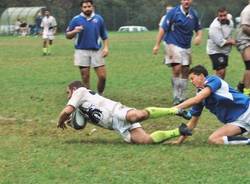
x=161, y=21
x=54, y=23
x=42, y=23
x=213, y=82
x=71, y=25
x=196, y=110
x=103, y=30
x=168, y=20
x=77, y=97
x=245, y=18
x=197, y=22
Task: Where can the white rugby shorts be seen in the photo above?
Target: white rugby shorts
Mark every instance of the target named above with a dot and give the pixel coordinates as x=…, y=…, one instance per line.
x=48, y=35
x=243, y=121
x=175, y=54
x=88, y=58
x=121, y=125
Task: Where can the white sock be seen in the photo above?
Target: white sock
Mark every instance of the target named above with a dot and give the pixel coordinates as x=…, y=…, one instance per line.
x=233, y=140
x=183, y=88
x=175, y=85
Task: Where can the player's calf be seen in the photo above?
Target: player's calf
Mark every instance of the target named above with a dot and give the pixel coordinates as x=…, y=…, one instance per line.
x=155, y=112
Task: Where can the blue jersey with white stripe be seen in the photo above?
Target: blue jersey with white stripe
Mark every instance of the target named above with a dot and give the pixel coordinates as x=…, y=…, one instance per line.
x=93, y=29
x=179, y=27
x=225, y=102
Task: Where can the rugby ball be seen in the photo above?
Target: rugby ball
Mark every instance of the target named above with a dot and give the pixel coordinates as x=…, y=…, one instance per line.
x=77, y=120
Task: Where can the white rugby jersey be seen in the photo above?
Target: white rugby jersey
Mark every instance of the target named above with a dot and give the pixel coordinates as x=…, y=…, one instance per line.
x=245, y=16
x=48, y=23
x=244, y=20
x=87, y=99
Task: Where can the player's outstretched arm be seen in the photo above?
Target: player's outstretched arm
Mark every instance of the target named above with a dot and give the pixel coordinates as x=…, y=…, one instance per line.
x=191, y=125
x=64, y=115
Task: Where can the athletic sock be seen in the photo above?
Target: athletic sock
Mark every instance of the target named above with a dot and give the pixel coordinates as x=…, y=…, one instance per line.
x=45, y=50
x=235, y=140
x=175, y=85
x=49, y=49
x=160, y=136
x=155, y=112
x=183, y=88
x=246, y=91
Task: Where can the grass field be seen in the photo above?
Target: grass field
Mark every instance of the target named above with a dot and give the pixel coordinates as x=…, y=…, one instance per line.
x=33, y=150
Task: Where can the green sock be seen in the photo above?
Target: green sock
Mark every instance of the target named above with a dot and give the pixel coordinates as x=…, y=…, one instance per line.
x=45, y=50
x=246, y=91
x=160, y=136
x=155, y=112
x=49, y=49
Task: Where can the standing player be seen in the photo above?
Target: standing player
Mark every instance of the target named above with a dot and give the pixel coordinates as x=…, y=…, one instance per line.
x=112, y=115
x=88, y=29
x=49, y=27
x=243, y=45
x=178, y=27
x=220, y=41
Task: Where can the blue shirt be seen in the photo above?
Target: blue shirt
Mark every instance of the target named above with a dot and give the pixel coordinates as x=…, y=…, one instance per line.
x=93, y=29
x=179, y=27
x=225, y=103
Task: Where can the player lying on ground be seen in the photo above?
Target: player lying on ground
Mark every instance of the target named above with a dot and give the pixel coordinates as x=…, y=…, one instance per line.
x=85, y=105
x=230, y=107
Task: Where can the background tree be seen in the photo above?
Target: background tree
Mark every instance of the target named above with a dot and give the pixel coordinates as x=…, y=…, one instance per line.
x=127, y=12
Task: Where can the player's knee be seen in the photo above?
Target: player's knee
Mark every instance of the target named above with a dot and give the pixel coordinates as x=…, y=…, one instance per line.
x=247, y=64
x=214, y=140
x=220, y=73
x=185, y=70
x=142, y=140
x=102, y=78
x=137, y=115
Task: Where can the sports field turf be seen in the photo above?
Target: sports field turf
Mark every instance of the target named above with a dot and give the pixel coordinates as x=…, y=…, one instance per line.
x=33, y=150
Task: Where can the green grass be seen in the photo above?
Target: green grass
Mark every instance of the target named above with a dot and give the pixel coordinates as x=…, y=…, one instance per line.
x=32, y=92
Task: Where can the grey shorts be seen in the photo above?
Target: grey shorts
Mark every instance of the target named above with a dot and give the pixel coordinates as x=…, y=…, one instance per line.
x=242, y=45
x=243, y=121
x=242, y=42
x=88, y=58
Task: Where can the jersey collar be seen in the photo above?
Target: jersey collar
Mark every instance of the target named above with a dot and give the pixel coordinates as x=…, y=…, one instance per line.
x=88, y=18
x=182, y=10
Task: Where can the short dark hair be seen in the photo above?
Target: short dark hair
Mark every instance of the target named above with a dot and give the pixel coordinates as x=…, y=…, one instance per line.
x=45, y=9
x=86, y=1
x=222, y=9
x=199, y=69
x=75, y=84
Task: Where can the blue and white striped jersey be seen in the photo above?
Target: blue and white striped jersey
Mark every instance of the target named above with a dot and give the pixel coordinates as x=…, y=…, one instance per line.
x=179, y=27
x=224, y=102
x=93, y=30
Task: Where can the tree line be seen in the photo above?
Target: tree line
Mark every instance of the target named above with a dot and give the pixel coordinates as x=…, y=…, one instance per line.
x=128, y=12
